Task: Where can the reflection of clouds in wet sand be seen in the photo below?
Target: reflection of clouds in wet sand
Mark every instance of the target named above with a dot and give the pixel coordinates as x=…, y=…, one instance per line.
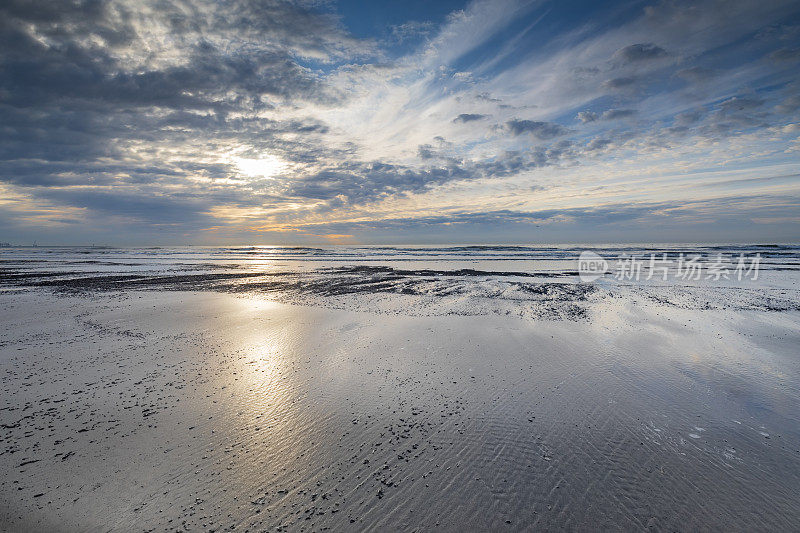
x=207, y=410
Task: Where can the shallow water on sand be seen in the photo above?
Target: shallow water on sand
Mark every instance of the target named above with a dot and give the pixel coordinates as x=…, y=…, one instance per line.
x=462, y=401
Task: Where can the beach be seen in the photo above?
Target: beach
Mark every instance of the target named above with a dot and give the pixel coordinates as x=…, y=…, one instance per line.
x=382, y=266
x=377, y=393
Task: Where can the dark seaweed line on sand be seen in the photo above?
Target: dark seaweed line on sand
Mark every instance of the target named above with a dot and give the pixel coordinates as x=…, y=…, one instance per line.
x=98, y=281
x=326, y=282
x=502, y=289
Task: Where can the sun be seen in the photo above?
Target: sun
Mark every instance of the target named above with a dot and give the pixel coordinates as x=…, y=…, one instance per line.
x=265, y=167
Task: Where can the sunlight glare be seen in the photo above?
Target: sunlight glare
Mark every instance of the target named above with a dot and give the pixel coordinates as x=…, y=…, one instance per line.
x=265, y=167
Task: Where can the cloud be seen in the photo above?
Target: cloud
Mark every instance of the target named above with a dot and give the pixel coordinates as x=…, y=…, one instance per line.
x=687, y=118
x=602, y=221
x=154, y=101
x=737, y=104
x=486, y=97
x=696, y=74
x=616, y=114
x=609, y=114
x=539, y=130
x=640, y=52
x=469, y=117
x=598, y=144
x=786, y=55
x=789, y=105
x=411, y=30
x=621, y=83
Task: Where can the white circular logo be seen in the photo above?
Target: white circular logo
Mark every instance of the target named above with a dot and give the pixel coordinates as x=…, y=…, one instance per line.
x=591, y=266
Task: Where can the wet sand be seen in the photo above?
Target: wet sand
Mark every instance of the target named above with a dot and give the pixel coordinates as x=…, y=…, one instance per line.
x=162, y=410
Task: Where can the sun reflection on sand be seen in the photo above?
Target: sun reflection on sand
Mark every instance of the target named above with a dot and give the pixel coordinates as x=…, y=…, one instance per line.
x=265, y=367
x=264, y=390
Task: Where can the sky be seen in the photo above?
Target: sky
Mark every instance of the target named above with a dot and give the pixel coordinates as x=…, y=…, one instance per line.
x=168, y=122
